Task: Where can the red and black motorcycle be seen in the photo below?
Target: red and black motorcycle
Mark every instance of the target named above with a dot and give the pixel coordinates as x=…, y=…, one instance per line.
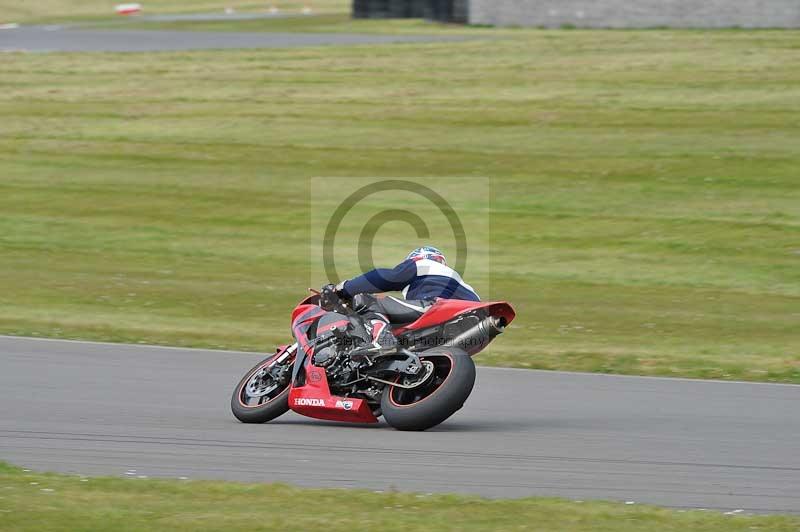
x=334, y=372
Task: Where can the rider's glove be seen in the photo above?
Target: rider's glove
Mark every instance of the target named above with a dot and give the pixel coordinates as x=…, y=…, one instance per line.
x=341, y=292
x=328, y=297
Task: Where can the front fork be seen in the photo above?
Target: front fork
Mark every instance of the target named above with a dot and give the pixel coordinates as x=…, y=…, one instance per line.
x=289, y=351
x=276, y=368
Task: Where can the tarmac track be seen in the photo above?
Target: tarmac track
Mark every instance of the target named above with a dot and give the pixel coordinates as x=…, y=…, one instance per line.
x=105, y=409
x=63, y=39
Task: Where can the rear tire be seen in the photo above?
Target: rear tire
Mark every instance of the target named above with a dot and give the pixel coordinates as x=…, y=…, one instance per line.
x=434, y=401
x=276, y=404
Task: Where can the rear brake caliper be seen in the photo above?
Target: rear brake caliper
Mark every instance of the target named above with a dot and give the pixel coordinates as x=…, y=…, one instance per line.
x=424, y=376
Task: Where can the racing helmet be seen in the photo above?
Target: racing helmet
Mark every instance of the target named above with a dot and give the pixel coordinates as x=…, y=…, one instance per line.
x=427, y=252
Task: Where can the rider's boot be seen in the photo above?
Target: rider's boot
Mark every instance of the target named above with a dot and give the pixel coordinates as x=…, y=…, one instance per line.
x=382, y=334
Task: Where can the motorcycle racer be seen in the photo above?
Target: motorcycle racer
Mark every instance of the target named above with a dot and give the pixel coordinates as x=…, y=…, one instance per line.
x=423, y=277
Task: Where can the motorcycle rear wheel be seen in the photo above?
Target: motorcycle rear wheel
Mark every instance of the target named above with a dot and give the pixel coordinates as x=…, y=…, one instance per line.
x=436, y=398
x=266, y=402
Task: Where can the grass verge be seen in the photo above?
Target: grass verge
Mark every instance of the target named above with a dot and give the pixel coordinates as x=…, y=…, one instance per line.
x=52, y=11
x=645, y=198
x=33, y=501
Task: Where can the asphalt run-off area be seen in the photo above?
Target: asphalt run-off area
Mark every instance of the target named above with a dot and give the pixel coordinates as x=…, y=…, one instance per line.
x=104, y=409
x=64, y=39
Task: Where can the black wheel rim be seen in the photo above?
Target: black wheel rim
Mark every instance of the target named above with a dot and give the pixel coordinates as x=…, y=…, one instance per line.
x=442, y=367
x=261, y=387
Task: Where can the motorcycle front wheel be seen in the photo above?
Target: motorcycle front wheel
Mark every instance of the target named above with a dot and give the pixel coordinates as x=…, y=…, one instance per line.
x=446, y=383
x=258, y=397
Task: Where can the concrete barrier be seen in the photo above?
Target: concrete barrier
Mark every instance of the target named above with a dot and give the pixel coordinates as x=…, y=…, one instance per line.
x=637, y=13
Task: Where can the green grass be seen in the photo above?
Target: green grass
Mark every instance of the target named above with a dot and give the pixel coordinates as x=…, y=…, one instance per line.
x=645, y=205
x=47, y=502
x=44, y=11
x=328, y=16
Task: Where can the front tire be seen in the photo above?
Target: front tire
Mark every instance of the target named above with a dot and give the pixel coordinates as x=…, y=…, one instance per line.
x=437, y=398
x=260, y=408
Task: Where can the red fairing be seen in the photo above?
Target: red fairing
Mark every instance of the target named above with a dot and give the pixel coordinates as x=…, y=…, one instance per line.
x=302, y=318
x=314, y=399
x=446, y=309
